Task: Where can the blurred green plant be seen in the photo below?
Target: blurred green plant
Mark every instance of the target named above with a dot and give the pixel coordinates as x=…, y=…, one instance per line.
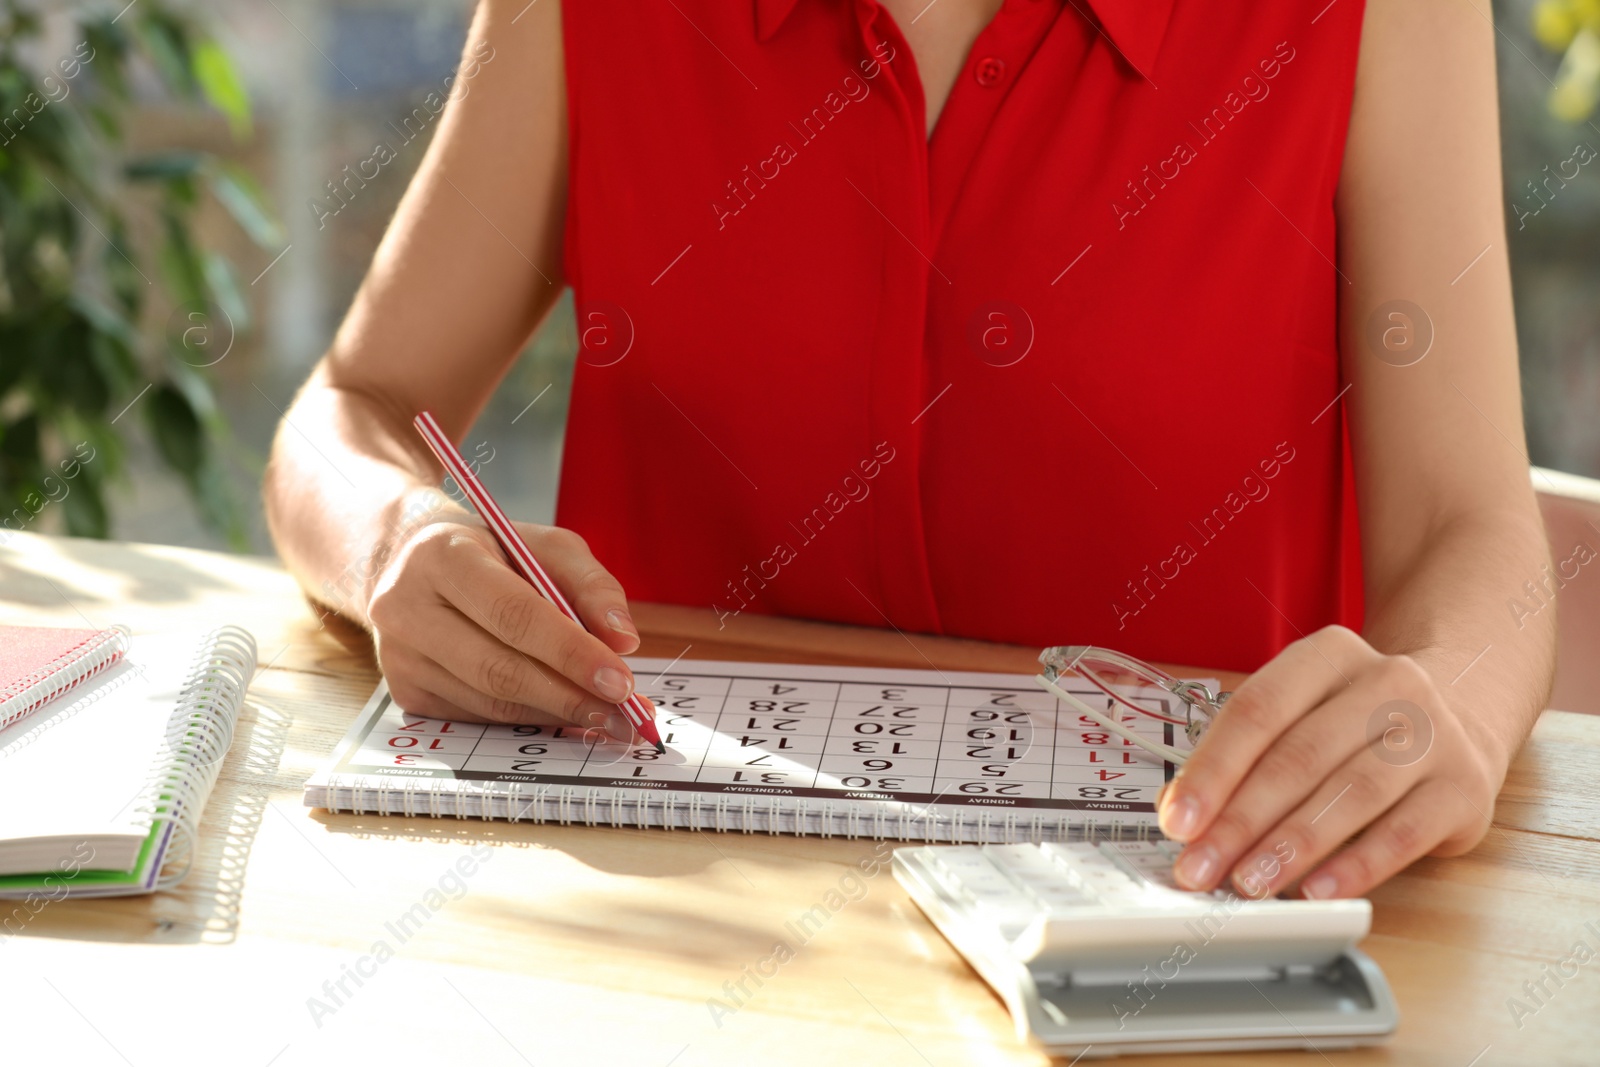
x=77, y=286
x=1571, y=30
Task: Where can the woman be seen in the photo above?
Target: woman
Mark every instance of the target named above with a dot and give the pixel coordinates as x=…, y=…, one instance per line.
x=1182, y=328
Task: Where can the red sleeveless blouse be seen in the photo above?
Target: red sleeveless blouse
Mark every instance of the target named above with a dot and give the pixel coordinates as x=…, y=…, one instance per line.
x=1065, y=372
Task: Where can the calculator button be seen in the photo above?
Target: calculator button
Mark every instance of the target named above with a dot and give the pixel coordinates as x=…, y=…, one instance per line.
x=1035, y=870
x=974, y=874
x=1018, y=855
x=1152, y=872
x=963, y=857
x=1162, y=876
x=1065, y=896
x=983, y=881
x=1108, y=879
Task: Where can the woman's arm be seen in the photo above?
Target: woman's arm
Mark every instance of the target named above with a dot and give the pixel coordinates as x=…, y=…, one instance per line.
x=1401, y=736
x=468, y=268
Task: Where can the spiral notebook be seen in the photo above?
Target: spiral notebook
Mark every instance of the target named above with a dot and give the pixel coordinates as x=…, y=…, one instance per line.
x=42, y=662
x=778, y=748
x=102, y=788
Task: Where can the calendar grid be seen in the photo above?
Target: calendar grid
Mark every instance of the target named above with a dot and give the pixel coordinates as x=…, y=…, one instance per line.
x=920, y=738
x=724, y=700
x=944, y=719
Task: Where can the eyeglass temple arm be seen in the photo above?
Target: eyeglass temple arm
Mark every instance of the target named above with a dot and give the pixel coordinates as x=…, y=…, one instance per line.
x=1166, y=752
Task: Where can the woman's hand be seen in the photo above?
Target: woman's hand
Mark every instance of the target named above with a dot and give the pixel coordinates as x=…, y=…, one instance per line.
x=1330, y=740
x=460, y=635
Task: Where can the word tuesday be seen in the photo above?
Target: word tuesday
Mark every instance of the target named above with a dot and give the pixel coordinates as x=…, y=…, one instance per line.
x=811, y=126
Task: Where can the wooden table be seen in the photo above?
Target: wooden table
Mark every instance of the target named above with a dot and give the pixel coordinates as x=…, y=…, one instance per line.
x=578, y=945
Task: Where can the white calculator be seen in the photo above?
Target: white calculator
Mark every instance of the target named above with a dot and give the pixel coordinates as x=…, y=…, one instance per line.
x=1096, y=952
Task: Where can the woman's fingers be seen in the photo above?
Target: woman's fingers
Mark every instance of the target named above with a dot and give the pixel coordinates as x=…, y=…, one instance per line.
x=476, y=580
x=1298, y=679
x=460, y=633
x=418, y=628
x=594, y=594
x=1290, y=771
x=1425, y=818
x=1358, y=791
x=598, y=724
x=511, y=676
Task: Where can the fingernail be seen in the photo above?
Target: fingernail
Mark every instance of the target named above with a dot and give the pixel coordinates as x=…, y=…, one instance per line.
x=1180, y=817
x=612, y=684
x=1319, y=886
x=621, y=622
x=1257, y=874
x=618, y=726
x=1196, y=866
x=1251, y=885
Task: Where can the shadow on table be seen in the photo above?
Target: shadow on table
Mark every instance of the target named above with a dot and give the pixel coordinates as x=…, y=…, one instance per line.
x=646, y=854
x=205, y=906
x=156, y=579
x=742, y=868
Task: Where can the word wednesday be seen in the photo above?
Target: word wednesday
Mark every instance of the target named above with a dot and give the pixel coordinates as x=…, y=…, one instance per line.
x=1210, y=128
x=811, y=126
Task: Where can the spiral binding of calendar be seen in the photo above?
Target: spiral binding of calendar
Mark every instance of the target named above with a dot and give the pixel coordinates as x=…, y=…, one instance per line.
x=671, y=809
x=50, y=681
x=198, y=735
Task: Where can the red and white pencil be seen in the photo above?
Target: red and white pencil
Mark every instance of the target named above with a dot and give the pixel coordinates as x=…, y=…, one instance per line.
x=637, y=711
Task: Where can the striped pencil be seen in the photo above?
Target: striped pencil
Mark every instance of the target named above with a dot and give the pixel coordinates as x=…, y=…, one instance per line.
x=634, y=708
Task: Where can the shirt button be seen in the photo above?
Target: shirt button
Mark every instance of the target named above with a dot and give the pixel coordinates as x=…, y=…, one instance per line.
x=989, y=71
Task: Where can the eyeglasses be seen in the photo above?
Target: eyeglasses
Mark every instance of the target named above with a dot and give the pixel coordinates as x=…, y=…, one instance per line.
x=1114, y=674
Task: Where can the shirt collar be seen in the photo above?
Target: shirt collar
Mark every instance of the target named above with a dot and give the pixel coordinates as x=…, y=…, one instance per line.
x=770, y=15
x=1135, y=27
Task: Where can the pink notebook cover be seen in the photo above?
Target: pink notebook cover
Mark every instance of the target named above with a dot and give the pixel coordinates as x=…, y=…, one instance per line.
x=39, y=663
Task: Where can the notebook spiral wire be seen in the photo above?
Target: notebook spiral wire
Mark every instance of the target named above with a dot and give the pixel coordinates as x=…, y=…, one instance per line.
x=601, y=806
x=197, y=738
x=48, y=682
